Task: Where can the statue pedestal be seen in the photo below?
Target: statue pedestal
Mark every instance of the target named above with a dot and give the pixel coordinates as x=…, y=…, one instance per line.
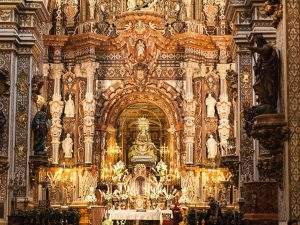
x=260, y=203
x=271, y=131
x=35, y=162
x=261, y=198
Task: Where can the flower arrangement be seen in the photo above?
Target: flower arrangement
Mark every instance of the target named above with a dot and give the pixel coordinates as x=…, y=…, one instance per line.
x=119, y=169
x=158, y=191
x=91, y=197
x=107, y=197
x=124, y=196
x=184, y=199
x=161, y=168
x=107, y=222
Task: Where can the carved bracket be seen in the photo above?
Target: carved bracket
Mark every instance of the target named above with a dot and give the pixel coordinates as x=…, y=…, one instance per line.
x=273, y=8
x=271, y=130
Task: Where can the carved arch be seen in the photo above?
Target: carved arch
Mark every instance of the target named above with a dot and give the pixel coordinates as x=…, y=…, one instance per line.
x=161, y=94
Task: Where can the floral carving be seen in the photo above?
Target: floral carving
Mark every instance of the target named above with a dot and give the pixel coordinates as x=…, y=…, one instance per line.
x=273, y=8
x=22, y=83
x=5, y=15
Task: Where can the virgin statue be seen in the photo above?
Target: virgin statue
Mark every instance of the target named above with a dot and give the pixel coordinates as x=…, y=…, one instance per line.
x=143, y=149
x=212, y=147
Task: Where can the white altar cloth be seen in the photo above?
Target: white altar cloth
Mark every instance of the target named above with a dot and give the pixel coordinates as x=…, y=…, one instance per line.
x=138, y=215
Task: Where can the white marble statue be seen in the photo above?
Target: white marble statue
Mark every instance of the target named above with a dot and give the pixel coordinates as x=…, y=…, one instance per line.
x=140, y=47
x=212, y=147
x=152, y=5
x=210, y=105
x=224, y=147
x=70, y=107
x=92, y=4
x=131, y=4
x=67, y=146
x=188, y=8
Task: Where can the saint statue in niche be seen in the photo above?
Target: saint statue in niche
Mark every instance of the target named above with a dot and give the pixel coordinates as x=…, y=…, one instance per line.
x=67, y=146
x=266, y=71
x=210, y=105
x=266, y=86
x=140, y=49
x=92, y=4
x=40, y=126
x=70, y=107
x=212, y=147
x=141, y=4
x=131, y=4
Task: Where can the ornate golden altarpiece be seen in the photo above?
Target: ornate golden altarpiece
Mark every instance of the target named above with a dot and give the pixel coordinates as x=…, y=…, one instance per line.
x=123, y=62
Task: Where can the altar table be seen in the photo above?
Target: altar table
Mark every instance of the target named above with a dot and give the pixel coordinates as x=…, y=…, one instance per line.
x=135, y=215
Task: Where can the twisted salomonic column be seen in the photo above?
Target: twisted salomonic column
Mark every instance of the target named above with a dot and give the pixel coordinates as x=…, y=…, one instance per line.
x=89, y=108
x=189, y=107
x=223, y=107
x=56, y=109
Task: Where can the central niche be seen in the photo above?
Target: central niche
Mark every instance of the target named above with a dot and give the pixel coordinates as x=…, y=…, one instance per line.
x=141, y=134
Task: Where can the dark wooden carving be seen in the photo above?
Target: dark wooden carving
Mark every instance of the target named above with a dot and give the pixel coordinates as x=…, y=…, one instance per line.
x=40, y=130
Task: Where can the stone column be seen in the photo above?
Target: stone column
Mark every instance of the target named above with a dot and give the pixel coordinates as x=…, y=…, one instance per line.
x=89, y=108
x=56, y=109
x=172, y=145
x=189, y=107
x=223, y=107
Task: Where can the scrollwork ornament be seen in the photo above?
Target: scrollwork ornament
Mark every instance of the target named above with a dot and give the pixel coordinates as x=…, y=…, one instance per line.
x=22, y=84
x=22, y=119
x=273, y=8
x=5, y=15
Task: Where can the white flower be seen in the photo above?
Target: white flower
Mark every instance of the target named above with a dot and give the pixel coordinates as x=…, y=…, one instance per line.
x=107, y=222
x=124, y=196
x=161, y=167
x=119, y=168
x=107, y=196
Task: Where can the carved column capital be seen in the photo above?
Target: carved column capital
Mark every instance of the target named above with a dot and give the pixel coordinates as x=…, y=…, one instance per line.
x=222, y=69
x=189, y=67
x=89, y=68
x=56, y=70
